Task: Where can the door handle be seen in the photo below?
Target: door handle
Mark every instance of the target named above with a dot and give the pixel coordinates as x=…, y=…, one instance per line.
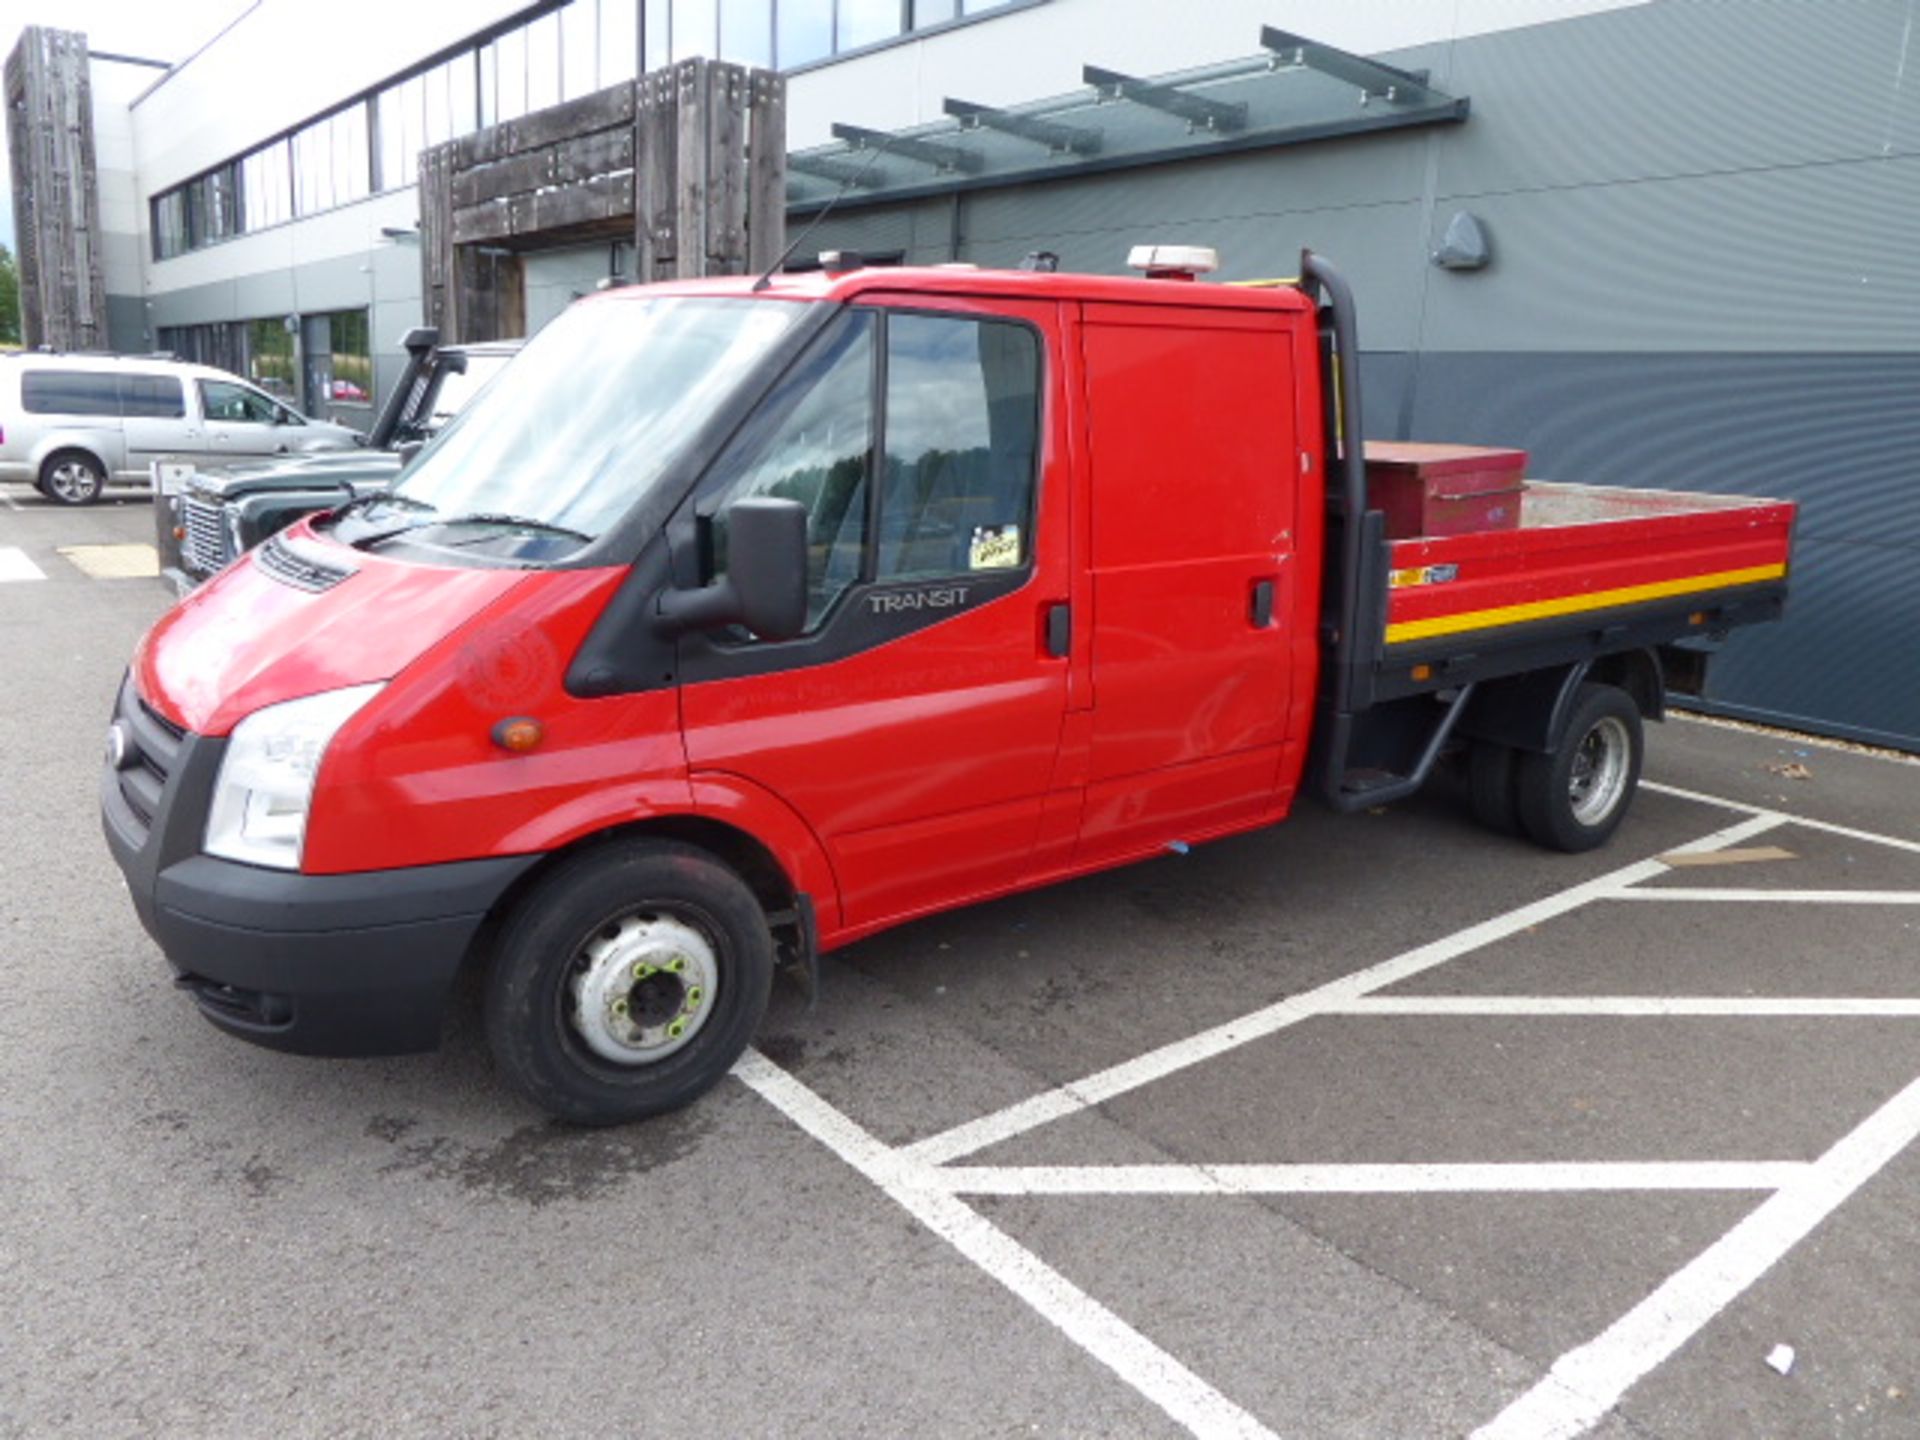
x=1260, y=612
x=1059, y=629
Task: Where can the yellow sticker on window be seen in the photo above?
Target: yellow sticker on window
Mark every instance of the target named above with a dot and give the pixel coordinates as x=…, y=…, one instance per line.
x=994, y=547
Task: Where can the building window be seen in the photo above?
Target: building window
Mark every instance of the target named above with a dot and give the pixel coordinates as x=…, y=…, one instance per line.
x=266, y=187
x=579, y=48
x=270, y=358
x=865, y=22
x=746, y=31
x=619, y=47
x=352, y=358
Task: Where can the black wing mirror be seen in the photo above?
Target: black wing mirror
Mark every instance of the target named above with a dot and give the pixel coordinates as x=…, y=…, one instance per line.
x=765, y=587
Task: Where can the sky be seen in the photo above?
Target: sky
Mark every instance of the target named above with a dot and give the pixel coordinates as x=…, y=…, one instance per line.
x=168, y=30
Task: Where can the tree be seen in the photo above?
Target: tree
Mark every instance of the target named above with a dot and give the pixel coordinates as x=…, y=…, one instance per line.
x=9, y=299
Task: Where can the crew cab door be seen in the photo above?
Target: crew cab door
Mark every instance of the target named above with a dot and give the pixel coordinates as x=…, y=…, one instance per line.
x=1195, y=474
x=240, y=420
x=915, y=724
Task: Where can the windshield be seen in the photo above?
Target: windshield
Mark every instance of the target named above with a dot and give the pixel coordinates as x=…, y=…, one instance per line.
x=584, y=422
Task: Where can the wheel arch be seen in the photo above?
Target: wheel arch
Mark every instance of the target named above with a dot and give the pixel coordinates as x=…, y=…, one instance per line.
x=787, y=904
x=52, y=449
x=1530, y=711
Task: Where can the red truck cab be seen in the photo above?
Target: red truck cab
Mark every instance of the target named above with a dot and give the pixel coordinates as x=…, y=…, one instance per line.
x=740, y=621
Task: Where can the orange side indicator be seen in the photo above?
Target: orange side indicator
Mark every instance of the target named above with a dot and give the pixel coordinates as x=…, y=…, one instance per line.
x=518, y=734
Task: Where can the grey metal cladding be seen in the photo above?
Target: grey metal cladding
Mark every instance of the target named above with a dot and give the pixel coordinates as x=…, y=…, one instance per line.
x=1817, y=257
x=1338, y=174
x=1837, y=433
x=1678, y=87
x=1844, y=658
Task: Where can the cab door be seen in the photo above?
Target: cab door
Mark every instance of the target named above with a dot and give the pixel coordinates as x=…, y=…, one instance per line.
x=914, y=726
x=1194, y=479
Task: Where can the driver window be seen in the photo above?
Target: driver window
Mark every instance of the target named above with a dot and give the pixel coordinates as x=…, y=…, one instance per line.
x=812, y=442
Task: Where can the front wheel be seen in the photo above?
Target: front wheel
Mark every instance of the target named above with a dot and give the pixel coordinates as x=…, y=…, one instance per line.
x=1575, y=798
x=627, y=982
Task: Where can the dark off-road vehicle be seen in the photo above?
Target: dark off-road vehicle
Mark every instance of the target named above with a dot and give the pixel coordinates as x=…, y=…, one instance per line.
x=206, y=518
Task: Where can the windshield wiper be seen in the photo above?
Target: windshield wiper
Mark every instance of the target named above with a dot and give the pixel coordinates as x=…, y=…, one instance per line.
x=525, y=522
x=479, y=517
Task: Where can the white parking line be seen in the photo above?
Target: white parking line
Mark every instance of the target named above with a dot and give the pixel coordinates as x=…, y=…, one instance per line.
x=1365, y=1179
x=1103, y=1085
x=1793, y=897
x=1183, y=1395
x=1587, y=1382
x=1825, y=826
x=1582, y=1385
x=14, y=565
x=1631, y=1005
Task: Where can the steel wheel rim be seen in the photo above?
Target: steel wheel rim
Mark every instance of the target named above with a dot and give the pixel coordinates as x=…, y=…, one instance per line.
x=640, y=987
x=71, y=481
x=1598, y=779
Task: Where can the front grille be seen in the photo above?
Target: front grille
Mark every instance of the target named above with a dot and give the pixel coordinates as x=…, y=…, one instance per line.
x=279, y=560
x=151, y=749
x=205, y=546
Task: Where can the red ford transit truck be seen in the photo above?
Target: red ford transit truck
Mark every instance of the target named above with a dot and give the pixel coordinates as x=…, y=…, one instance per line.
x=742, y=620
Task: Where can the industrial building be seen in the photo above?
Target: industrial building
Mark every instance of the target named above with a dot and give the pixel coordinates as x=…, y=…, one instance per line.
x=1653, y=241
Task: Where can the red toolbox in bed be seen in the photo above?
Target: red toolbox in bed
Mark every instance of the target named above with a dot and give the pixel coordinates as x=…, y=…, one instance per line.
x=1444, y=489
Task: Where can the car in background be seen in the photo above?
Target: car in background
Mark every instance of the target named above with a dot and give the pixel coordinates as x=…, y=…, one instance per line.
x=70, y=424
x=204, y=517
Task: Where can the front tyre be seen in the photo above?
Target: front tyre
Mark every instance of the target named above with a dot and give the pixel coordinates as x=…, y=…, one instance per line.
x=627, y=982
x=1575, y=798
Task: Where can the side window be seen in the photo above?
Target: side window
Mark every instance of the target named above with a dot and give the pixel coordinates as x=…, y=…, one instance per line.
x=225, y=401
x=812, y=442
x=70, y=392
x=152, y=397
x=963, y=408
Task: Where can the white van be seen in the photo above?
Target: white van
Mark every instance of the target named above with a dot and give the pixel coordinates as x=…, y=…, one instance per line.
x=71, y=423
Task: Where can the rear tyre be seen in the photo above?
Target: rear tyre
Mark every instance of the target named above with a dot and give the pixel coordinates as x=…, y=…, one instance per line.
x=627, y=982
x=1490, y=770
x=1575, y=798
x=72, y=477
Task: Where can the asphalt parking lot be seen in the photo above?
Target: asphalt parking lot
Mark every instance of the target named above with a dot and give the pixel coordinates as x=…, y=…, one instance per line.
x=1379, y=1126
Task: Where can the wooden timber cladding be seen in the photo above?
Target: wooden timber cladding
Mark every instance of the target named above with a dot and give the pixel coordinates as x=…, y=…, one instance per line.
x=56, y=200
x=688, y=162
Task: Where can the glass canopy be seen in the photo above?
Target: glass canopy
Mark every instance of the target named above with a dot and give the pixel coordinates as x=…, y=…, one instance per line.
x=1297, y=90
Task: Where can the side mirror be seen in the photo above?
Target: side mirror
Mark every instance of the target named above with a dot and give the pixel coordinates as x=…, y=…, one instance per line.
x=765, y=587
x=407, y=451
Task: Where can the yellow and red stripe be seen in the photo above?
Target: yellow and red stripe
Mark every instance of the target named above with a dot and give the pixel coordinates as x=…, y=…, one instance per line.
x=1458, y=622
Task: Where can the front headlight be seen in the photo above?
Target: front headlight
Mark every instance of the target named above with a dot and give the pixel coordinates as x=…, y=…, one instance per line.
x=259, y=812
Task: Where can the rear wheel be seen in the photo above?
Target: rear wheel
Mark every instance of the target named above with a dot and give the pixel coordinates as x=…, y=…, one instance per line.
x=628, y=982
x=1575, y=798
x=1490, y=770
x=72, y=477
